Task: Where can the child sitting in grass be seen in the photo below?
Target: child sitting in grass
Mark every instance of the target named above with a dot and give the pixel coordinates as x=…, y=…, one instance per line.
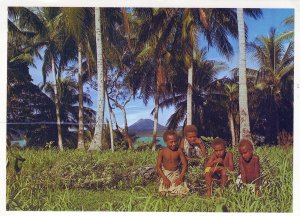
x=249, y=165
x=168, y=167
x=191, y=145
x=217, y=165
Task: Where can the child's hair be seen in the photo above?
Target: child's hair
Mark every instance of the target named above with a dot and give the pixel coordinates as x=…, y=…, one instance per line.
x=168, y=133
x=190, y=128
x=247, y=143
x=219, y=141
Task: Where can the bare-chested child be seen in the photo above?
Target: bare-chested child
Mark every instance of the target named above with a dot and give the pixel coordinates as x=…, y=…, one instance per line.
x=219, y=162
x=171, y=166
x=191, y=145
x=249, y=165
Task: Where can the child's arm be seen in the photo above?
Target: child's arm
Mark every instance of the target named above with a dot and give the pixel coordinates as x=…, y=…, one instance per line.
x=257, y=172
x=201, y=146
x=242, y=170
x=230, y=161
x=181, y=144
x=184, y=168
x=211, y=161
x=166, y=181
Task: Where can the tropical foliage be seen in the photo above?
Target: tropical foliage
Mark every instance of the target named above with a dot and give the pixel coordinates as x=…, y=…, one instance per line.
x=151, y=52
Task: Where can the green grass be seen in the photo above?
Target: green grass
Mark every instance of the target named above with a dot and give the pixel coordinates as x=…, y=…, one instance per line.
x=103, y=181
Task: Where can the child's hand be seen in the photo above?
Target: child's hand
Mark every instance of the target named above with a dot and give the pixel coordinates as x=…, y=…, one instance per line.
x=198, y=141
x=166, y=182
x=218, y=160
x=178, y=181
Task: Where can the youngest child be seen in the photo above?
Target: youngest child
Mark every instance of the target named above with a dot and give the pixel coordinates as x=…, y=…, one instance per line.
x=218, y=164
x=249, y=165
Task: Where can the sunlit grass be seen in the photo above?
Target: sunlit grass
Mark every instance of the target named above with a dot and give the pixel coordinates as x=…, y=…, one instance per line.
x=102, y=181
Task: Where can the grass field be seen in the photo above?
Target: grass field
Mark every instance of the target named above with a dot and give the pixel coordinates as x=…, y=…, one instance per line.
x=103, y=181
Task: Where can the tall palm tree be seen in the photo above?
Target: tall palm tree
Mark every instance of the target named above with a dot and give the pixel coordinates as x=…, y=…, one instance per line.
x=52, y=40
x=215, y=29
x=243, y=97
x=97, y=139
x=274, y=77
x=109, y=41
x=78, y=23
x=153, y=56
x=215, y=25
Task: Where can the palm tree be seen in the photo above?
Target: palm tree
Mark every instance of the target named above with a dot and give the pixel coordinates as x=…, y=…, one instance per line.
x=231, y=90
x=78, y=24
x=113, y=42
x=69, y=108
x=97, y=139
x=52, y=40
x=204, y=87
x=213, y=26
x=274, y=78
x=153, y=56
x=243, y=98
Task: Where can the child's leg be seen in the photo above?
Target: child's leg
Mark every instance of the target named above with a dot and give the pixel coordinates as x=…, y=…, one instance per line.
x=208, y=181
x=224, y=178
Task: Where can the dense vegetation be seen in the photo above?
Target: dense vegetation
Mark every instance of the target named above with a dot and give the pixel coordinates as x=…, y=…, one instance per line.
x=146, y=55
x=106, y=181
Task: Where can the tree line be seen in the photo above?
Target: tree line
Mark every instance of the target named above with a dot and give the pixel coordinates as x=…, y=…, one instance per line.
x=145, y=53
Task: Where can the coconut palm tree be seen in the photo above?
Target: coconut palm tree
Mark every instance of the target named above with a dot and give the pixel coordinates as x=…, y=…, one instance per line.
x=215, y=29
x=151, y=67
x=108, y=38
x=243, y=98
x=52, y=41
x=69, y=108
x=78, y=23
x=204, y=88
x=274, y=77
x=215, y=25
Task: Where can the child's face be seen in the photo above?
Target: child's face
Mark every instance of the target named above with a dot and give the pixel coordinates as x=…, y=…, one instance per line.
x=246, y=153
x=171, y=142
x=219, y=150
x=191, y=137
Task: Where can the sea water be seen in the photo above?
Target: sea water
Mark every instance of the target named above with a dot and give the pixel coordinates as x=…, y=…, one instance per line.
x=159, y=140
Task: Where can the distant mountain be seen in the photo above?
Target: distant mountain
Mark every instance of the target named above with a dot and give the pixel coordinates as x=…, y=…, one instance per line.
x=145, y=126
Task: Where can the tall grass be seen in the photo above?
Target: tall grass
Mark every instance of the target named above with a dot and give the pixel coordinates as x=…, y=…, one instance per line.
x=105, y=181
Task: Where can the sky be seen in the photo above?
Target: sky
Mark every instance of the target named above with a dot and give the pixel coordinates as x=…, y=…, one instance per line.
x=137, y=110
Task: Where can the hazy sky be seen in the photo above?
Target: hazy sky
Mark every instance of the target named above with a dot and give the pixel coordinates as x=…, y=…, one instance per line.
x=136, y=109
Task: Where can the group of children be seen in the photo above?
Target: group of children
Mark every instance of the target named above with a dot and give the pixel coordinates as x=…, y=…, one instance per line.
x=172, y=162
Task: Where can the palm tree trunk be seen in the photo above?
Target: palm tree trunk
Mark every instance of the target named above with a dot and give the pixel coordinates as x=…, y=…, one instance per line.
x=153, y=145
x=57, y=106
x=189, y=95
x=126, y=135
x=80, y=144
x=97, y=139
x=243, y=98
x=231, y=125
x=189, y=108
x=110, y=126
